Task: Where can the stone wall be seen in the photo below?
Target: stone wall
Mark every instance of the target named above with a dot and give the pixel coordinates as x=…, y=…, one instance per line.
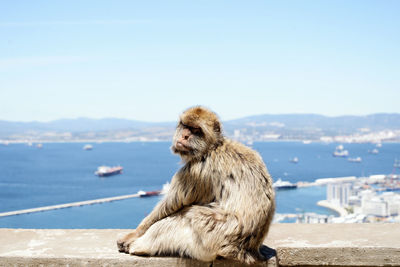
x=295, y=244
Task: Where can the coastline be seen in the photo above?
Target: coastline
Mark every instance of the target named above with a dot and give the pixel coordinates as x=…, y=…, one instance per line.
x=339, y=210
x=4, y=141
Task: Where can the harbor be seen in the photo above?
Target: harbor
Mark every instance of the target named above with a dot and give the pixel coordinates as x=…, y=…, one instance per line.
x=40, y=189
x=330, y=203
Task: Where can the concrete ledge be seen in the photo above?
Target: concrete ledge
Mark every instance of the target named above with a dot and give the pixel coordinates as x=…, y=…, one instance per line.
x=296, y=245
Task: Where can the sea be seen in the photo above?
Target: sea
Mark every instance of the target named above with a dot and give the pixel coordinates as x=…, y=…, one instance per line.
x=59, y=173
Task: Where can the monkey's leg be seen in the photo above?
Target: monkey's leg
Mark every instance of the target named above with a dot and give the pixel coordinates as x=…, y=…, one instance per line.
x=173, y=235
x=221, y=232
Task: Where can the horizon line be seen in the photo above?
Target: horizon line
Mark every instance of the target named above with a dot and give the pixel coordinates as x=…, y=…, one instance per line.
x=239, y=118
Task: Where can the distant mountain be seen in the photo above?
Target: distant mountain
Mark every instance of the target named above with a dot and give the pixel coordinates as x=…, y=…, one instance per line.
x=75, y=125
x=259, y=127
x=341, y=123
x=86, y=124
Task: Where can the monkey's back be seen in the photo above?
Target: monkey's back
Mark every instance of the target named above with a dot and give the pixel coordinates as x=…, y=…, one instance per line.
x=243, y=186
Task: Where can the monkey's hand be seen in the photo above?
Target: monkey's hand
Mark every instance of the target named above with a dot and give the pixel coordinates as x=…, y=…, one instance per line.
x=125, y=242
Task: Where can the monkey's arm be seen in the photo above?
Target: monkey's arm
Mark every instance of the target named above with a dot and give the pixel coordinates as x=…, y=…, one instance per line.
x=170, y=204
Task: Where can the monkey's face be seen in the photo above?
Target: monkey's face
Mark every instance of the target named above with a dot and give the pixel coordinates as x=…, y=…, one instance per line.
x=184, y=133
x=188, y=140
x=198, y=131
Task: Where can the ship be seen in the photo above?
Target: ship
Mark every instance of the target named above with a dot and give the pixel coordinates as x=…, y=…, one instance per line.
x=374, y=151
x=355, y=160
x=340, y=152
x=294, y=160
x=396, y=163
x=340, y=147
x=104, y=171
x=164, y=191
x=283, y=185
x=149, y=193
x=88, y=147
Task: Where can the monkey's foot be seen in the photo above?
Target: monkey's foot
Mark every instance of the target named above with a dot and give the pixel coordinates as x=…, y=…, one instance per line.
x=136, y=248
x=125, y=242
x=266, y=252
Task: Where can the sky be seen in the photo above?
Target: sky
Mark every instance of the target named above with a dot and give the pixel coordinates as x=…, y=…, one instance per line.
x=150, y=60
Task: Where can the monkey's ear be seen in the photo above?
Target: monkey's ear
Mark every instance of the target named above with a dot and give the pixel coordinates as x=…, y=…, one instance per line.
x=217, y=127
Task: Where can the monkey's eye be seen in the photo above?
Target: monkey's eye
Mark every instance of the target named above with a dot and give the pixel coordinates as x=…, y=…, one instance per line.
x=193, y=130
x=196, y=131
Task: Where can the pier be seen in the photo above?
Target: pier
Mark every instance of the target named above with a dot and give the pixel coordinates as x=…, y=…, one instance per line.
x=68, y=205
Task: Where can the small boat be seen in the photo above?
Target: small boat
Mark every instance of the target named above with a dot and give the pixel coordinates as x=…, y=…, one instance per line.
x=87, y=147
x=283, y=185
x=104, y=171
x=373, y=151
x=396, y=164
x=39, y=145
x=340, y=152
x=149, y=193
x=340, y=147
x=355, y=160
x=294, y=160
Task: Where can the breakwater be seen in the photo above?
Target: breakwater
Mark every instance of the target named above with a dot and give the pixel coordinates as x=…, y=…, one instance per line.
x=326, y=204
x=68, y=205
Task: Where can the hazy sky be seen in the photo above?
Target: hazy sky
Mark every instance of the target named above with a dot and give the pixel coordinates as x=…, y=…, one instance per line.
x=149, y=60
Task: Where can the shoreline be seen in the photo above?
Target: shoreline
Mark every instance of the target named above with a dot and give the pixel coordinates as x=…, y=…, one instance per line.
x=339, y=210
x=155, y=140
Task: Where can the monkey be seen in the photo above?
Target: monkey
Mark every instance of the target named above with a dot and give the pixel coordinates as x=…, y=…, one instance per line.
x=220, y=203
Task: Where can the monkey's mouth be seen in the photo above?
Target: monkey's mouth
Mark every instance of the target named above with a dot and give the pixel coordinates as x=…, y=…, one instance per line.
x=181, y=147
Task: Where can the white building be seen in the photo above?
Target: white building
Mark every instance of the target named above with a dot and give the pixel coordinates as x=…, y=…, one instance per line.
x=374, y=206
x=393, y=201
x=387, y=204
x=339, y=193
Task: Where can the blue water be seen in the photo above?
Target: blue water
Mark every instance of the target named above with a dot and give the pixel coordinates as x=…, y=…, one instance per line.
x=63, y=172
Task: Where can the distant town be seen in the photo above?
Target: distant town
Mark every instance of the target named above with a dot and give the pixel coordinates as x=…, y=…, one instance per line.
x=356, y=200
x=375, y=128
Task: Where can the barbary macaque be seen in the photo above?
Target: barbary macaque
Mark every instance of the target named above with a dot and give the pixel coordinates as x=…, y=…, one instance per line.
x=220, y=203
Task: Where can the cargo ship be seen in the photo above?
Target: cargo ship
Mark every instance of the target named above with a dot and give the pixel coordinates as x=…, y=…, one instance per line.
x=149, y=193
x=104, y=171
x=283, y=185
x=355, y=160
x=164, y=191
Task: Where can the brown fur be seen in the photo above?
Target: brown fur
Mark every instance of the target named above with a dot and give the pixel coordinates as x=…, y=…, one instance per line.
x=220, y=204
